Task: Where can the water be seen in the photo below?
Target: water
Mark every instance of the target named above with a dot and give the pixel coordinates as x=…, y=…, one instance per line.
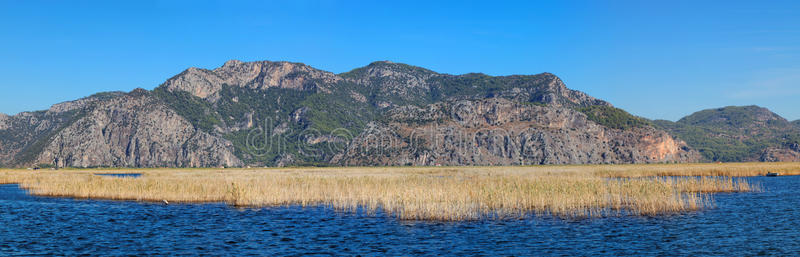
x=120, y=175
x=765, y=223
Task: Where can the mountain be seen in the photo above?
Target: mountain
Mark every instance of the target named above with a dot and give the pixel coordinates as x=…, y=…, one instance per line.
x=796, y=123
x=283, y=113
x=738, y=133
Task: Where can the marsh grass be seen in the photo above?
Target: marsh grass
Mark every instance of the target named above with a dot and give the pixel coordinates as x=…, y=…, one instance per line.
x=421, y=193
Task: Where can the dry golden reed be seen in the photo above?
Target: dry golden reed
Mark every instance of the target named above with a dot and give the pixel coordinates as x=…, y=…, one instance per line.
x=421, y=193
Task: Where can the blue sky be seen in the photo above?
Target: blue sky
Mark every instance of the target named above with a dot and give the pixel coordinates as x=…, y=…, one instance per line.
x=658, y=60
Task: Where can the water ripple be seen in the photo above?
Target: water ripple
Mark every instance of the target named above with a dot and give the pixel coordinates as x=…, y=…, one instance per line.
x=763, y=223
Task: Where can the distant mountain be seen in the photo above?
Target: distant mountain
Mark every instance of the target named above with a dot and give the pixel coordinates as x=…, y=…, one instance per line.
x=733, y=134
x=796, y=123
x=282, y=113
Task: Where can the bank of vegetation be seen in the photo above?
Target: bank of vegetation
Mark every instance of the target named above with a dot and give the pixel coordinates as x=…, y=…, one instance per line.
x=423, y=193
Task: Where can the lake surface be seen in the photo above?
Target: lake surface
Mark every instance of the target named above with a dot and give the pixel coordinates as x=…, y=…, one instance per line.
x=120, y=175
x=766, y=223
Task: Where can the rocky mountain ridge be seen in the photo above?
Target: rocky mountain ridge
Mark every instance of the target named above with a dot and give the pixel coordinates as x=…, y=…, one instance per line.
x=206, y=84
x=282, y=113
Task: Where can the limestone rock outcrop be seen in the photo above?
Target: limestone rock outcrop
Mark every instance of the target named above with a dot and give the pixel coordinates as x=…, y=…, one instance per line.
x=498, y=131
x=135, y=130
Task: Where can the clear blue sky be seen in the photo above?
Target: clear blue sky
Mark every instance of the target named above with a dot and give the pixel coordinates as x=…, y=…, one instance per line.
x=657, y=60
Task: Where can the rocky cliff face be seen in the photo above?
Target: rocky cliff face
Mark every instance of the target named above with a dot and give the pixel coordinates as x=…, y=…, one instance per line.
x=135, y=130
x=206, y=84
x=498, y=131
x=282, y=113
x=548, y=89
x=22, y=136
x=399, y=82
x=3, y=121
x=789, y=153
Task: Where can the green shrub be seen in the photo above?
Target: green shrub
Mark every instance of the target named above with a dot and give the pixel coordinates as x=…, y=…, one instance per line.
x=613, y=117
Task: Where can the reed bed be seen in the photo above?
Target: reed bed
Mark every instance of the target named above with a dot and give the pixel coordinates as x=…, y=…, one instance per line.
x=421, y=193
x=697, y=169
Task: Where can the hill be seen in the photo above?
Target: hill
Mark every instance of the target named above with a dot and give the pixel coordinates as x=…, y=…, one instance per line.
x=738, y=133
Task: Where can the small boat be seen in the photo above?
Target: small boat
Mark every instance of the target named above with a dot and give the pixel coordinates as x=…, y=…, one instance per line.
x=773, y=174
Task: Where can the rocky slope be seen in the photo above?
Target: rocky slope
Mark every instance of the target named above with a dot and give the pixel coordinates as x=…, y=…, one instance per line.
x=113, y=129
x=738, y=133
x=3, y=121
x=498, y=131
x=23, y=136
x=135, y=130
x=282, y=113
x=399, y=84
x=206, y=84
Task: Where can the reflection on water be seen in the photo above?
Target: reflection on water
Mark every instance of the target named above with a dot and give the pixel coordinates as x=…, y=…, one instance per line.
x=747, y=223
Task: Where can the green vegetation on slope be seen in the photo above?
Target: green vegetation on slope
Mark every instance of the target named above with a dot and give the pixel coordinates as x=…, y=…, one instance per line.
x=267, y=124
x=30, y=152
x=411, y=85
x=613, y=117
x=31, y=137
x=197, y=110
x=397, y=67
x=733, y=134
x=734, y=117
x=714, y=148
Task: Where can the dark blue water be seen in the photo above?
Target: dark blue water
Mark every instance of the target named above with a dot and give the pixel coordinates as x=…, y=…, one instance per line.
x=765, y=223
x=120, y=175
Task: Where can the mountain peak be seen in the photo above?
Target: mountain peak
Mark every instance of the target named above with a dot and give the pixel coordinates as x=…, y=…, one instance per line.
x=80, y=103
x=396, y=66
x=387, y=69
x=738, y=133
x=139, y=91
x=733, y=116
x=381, y=62
x=260, y=75
x=231, y=63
